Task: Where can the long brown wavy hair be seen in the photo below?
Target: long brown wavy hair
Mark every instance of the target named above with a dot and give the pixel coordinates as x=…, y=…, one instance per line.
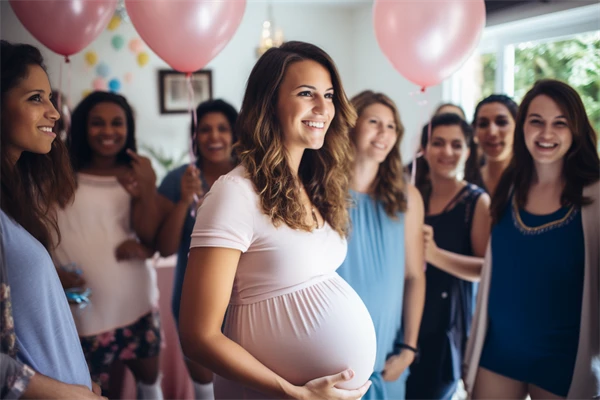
x=389, y=185
x=581, y=165
x=260, y=149
x=37, y=182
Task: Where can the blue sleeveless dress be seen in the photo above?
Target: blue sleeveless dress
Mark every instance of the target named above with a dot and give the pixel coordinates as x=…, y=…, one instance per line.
x=374, y=267
x=536, y=297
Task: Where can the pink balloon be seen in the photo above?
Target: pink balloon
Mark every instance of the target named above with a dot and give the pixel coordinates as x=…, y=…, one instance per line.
x=427, y=41
x=187, y=34
x=64, y=26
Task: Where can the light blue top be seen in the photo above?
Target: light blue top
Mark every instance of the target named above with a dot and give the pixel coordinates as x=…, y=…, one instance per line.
x=374, y=267
x=47, y=339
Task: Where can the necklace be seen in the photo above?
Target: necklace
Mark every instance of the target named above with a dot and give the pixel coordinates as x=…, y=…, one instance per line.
x=544, y=227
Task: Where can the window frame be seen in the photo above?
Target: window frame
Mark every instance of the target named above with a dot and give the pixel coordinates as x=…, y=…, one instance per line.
x=501, y=39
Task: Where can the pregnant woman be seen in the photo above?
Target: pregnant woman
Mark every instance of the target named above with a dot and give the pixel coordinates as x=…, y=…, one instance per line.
x=268, y=239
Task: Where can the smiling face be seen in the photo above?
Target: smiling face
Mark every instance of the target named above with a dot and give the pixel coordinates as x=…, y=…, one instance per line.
x=375, y=133
x=495, y=131
x=305, y=106
x=107, y=129
x=546, y=130
x=28, y=115
x=447, y=151
x=214, y=138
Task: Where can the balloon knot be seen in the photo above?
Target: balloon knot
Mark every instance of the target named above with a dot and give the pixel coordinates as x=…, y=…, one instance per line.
x=423, y=89
x=67, y=60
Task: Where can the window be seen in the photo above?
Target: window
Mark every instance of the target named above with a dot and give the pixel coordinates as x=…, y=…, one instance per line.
x=488, y=74
x=575, y=60
x=511, y=57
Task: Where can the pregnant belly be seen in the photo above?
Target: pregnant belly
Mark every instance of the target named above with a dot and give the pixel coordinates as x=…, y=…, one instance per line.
x=316, y=331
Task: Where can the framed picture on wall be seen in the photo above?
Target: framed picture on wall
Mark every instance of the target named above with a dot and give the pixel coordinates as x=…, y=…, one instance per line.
x=174, y=92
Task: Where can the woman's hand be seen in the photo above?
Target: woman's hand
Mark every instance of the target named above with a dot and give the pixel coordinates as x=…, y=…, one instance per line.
x=324, y=388
x=131, y=249
x=191, y=185
x=141, y=180
x=431, y=249
x=396, y=365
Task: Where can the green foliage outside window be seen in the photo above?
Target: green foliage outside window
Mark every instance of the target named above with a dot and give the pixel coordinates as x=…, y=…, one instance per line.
x=575, y=61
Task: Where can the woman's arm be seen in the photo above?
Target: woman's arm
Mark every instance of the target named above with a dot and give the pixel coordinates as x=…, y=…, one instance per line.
x=145, y=211
x=175, y=214
x=461, y=266
x=414, y=286
x=205, y=296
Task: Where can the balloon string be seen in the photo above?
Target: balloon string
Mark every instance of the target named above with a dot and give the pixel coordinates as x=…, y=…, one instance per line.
x=192, y=111
x=69, y=80
x=422, y=110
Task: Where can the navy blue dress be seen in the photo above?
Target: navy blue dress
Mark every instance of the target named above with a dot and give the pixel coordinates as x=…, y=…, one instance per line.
x=535, y=298
x=448, y=305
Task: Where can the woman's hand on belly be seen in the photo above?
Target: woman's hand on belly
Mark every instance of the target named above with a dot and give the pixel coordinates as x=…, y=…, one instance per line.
x=396, y=365
x=325, y=388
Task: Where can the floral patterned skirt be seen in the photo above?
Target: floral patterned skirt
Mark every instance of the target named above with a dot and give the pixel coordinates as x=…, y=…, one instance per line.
x=142, y=339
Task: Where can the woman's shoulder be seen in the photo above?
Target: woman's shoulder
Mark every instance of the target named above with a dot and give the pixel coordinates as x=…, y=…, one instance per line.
x=237, y=180
x=592, y=190
x=474, y=190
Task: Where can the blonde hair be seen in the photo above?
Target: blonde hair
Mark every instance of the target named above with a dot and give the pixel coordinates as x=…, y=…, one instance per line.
x=323, y=172
x=389, y=185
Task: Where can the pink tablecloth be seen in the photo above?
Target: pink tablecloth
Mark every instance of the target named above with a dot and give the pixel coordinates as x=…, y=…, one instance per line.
x=176, y=382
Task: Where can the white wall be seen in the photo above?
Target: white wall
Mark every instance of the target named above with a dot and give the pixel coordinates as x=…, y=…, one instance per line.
x=343, y=30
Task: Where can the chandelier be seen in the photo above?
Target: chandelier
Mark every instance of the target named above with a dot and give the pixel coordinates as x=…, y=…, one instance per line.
x=271, y=36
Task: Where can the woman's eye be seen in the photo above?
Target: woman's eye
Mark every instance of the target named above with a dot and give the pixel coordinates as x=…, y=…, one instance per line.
x=535, y=121
x=483, y=124
x=391, y=127
x=501, y=122
x=36, y=97
x=305, y=93
x=329, y=96
x=560, y=124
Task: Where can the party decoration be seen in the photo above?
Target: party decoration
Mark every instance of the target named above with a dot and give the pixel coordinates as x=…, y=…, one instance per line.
x=428, y=41
x=74, y=23
x=128, y=78
x=103, y=70
x=114, y=85
x=136, y=45
x=143, y=58
x=91, y=58
x=114, y=23
x=189, y=35
x=117, y=42
x=99, y=84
